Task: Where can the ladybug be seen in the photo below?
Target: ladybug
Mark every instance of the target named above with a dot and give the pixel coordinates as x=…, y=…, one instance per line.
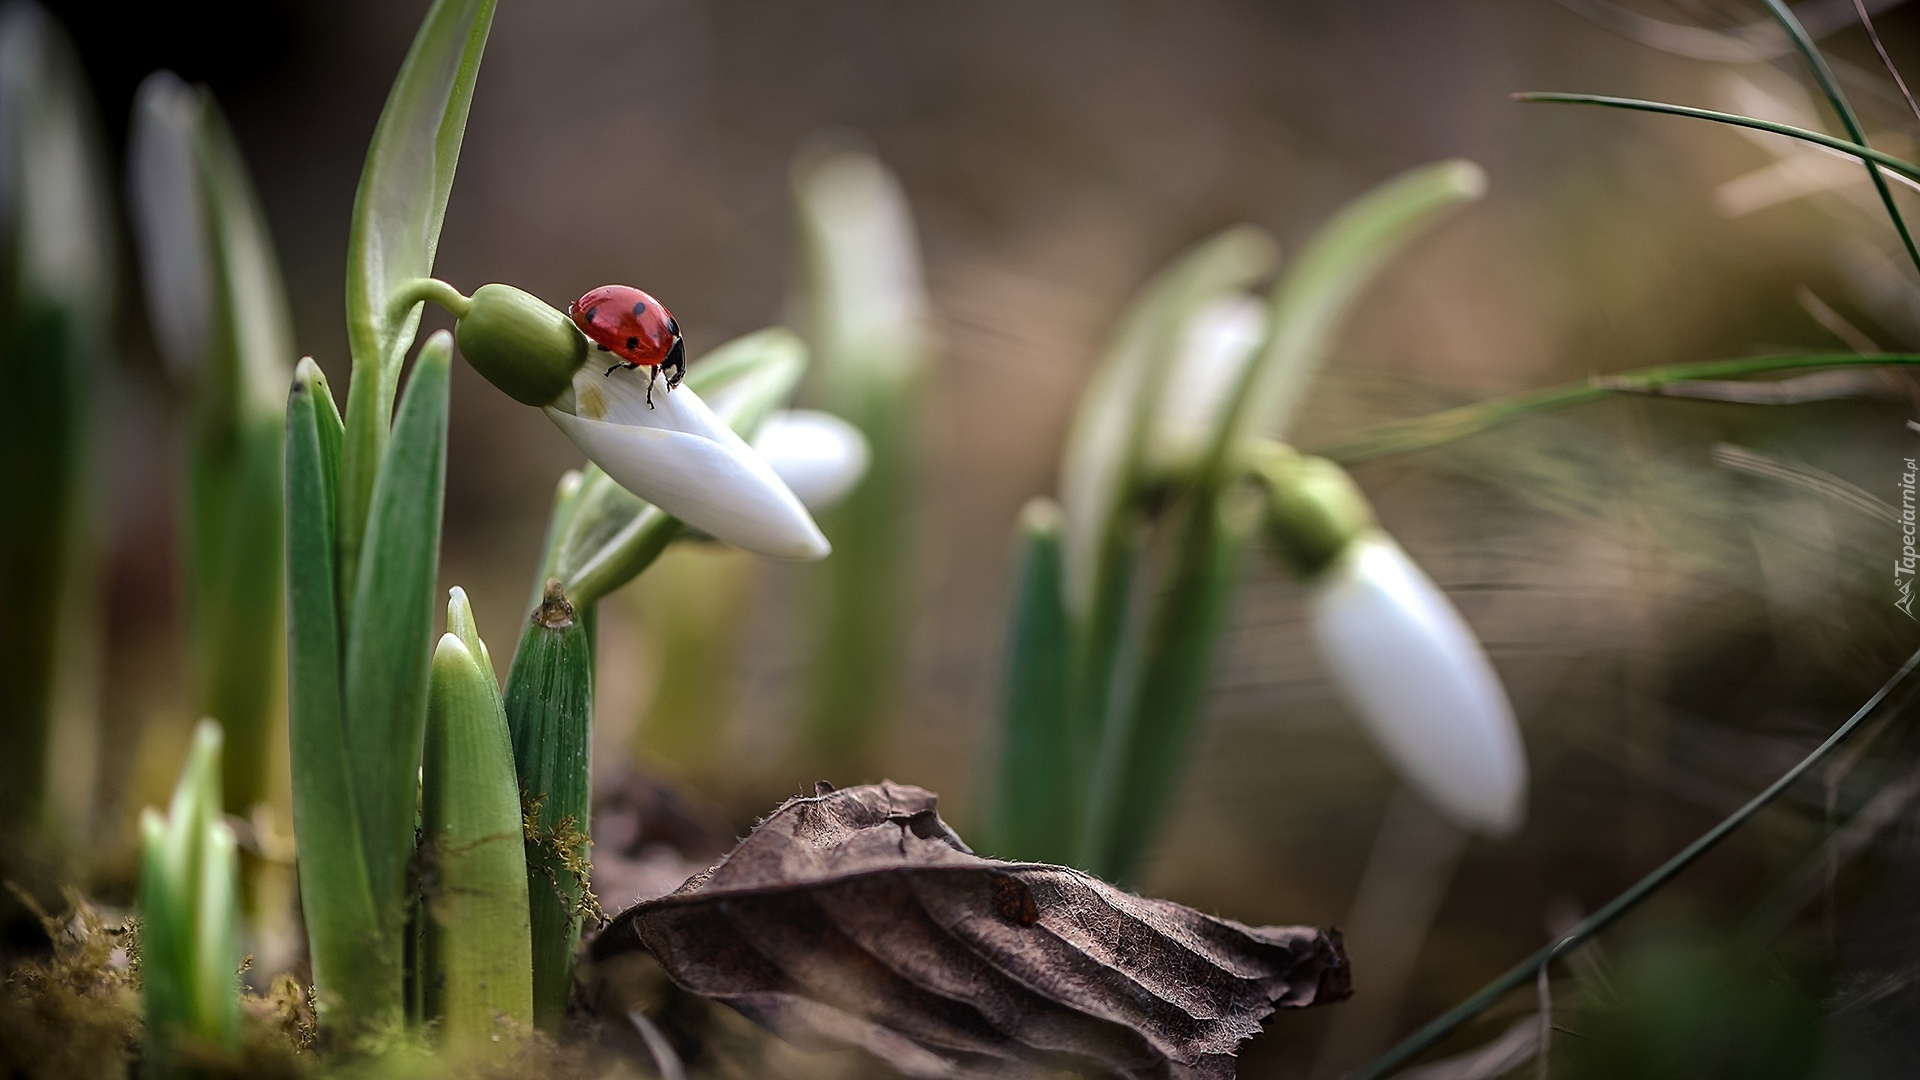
x=633, y=326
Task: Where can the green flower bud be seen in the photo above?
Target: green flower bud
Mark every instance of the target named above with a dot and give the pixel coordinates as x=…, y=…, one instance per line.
x=1314, y=510
x=520, y=343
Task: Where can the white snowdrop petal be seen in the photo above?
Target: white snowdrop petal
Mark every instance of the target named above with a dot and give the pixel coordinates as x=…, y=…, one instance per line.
x=820, y=456
x=1411, y=668
x=717, y=485
x=1216, y=346
x=169, y=218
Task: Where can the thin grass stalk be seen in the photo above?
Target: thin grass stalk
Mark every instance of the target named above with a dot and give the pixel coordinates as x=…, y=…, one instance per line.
x=1437, y=429
x=1520, y=974
x=1830, y=86
x=1864, y=153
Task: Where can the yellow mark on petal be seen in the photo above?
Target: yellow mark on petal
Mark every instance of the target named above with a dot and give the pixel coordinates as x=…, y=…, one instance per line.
x=590, y=402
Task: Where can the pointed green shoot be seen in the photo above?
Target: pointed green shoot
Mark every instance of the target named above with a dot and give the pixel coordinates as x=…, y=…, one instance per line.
x=397, y=214
x=549, y=704
x=603, y=536
x=1036, y=796
x=189, y=897
x=1161, y=679
x=389, y=632
x=868, y=321
x=56, y=304
x=357, y=984
x=220, y=309
x=478, y=970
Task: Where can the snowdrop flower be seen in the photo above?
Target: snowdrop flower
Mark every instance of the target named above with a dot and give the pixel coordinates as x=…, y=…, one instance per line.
x=673, y=452
x=1215, y=347
x=683, y=459
x=1405, y=661
x=818, y=455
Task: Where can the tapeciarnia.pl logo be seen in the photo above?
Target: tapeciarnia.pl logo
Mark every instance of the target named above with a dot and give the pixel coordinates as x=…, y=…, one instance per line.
x=1903, y=569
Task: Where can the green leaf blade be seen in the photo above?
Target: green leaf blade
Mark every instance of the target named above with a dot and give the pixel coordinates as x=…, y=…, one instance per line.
x=389, y=637
x=1036, y=797
x=397, y=214
x=1312, y=298
x=357, y=985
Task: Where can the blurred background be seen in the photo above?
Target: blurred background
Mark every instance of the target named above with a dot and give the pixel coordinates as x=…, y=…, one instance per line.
x=1674, y=632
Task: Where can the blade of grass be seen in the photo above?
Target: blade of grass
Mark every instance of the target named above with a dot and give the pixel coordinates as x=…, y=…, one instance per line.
x=397, y=214
x=1405, y=436
x=354, y=987
x=1864, y=153
x=1830, y=86
x=1036, y=795
x=389, y=632
x=1525, y=971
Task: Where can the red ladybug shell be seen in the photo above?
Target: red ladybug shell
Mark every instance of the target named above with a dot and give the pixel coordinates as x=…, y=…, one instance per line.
x=628, y=323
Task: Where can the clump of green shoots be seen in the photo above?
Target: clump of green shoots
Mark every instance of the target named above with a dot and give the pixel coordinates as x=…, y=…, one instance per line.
x=190, y=917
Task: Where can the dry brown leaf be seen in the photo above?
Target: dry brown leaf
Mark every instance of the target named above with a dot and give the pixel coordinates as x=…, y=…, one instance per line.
x=857, y=917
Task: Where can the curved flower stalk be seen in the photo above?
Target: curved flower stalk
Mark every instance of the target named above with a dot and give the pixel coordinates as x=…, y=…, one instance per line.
x=1402, y=657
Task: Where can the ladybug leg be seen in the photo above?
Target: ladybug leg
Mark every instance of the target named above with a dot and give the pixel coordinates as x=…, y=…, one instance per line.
x=652, y=373
x=675, y=365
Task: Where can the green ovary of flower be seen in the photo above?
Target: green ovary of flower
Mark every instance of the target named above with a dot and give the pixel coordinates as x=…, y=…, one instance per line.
x=1314, y=510
x=522, y=344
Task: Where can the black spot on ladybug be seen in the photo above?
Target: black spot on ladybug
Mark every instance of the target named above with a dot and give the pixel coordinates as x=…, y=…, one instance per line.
x=633, y=343
x=673, y=327
x=639, y=309
x=1013, y=900
x=590, y=312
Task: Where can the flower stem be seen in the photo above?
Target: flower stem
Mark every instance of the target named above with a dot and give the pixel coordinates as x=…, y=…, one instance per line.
x=1439, y=428
x=424, y=289
x=1520, y=973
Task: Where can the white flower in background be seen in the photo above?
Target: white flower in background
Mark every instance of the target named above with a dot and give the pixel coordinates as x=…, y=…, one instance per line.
x=682, y=458
x=820, y=456
x=1411, y=668
x=1404, y=660
x=1215, y=347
